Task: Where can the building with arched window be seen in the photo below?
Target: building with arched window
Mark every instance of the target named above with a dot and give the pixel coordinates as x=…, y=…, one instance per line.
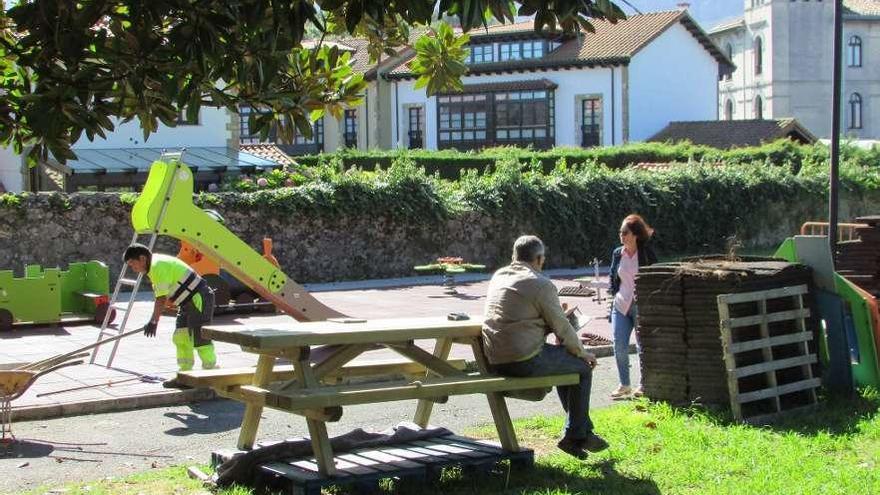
x=783, y=58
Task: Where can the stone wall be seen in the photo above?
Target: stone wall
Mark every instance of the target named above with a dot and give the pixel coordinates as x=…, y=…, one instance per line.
x=54, y=229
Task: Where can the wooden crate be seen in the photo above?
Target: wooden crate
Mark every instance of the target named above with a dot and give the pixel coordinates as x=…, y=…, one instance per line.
x=415, y=462
x=767, y=355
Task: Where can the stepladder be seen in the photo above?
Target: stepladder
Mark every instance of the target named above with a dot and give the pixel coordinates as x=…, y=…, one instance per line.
x=128, y=283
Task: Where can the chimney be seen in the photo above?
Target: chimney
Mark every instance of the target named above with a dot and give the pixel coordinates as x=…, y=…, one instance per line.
x=683, y=5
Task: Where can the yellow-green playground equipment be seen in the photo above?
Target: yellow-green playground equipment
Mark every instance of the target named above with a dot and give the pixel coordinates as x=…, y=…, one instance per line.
x=850, y=333
x=51, y=295
x=172, y=181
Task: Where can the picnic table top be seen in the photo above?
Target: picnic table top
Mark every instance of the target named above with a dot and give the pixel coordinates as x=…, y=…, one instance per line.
x=342, y=331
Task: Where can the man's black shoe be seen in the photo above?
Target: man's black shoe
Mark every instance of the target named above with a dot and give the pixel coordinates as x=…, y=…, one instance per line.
x=572, y=447
x=594, y=443
x=173, y=383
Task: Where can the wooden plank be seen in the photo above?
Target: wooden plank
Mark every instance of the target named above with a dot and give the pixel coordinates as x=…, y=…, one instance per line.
x=729, y=360
x=485, y=445
x=742, y=297
x=388, y=459
x=748, y=321
x=453, y=449
x=251, y=420
x=292, y=471
x=353, y=468
x=440, y=455
x=317, y=429
x=766, y=352
x=434, y=364
x=339, y=358
x=425, y=406
x=299, y=334
x=778, y=390
x=257, y=395
x=225, y=377
x=367, y=462
x=412, y=455
x=392, y=391
x=775, y=365
x=497, y=405
x=806, y=369
x=750, y=345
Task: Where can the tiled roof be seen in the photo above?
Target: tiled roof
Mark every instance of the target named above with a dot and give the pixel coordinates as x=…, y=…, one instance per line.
x=267, y=151
x=356, y=46
x=725, y=134
x=862, y=7
x=611, y=44
x=508, y=86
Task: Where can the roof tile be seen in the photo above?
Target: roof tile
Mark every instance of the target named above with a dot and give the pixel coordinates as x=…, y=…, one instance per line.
x=725, y=134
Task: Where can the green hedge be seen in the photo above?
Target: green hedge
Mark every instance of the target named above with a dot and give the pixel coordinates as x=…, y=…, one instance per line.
x=694, y=207
x=449, y=164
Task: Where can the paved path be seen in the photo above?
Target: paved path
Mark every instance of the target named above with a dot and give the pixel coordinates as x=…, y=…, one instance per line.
x=139, y=357
x=116, y=444
x=92, y=445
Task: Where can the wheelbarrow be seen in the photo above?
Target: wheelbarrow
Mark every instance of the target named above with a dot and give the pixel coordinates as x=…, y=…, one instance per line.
x=16, y=379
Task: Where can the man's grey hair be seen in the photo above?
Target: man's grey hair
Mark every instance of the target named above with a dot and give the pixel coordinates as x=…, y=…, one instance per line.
x=527, y=248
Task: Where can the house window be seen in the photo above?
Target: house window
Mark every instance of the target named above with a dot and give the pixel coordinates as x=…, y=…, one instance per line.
x=728, y=73
x=183, y=120
x=854, y=52
x=247, y=136
x=473, y=121
x=350, y=131
x=855, y=111
x=416, y=132
x=728, y=110
x=759, y=108
x=524, y=118
x=481, y=54
x=759, y=55
x=591, y=122
x=300, y=145
x=463, y=121
x=520, y=50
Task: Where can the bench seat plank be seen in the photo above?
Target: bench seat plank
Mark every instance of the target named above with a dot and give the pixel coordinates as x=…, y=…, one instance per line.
x=292, y=400
x=220, y=378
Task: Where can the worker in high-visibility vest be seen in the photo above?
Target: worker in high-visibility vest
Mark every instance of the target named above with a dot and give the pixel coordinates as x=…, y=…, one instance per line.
x=176, y=284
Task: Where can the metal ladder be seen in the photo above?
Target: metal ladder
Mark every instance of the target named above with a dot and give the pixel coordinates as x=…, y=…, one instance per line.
x=128, y=278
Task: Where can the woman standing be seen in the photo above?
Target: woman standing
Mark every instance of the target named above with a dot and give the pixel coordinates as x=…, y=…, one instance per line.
x=635, y=251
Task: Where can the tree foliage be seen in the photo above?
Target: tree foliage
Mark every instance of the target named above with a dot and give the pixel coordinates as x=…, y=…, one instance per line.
x=69, y=69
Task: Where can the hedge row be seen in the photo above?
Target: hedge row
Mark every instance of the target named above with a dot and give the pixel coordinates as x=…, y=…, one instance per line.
x=449, y=164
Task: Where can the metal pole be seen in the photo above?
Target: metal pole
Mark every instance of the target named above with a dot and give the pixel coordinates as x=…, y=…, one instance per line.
x=835, y=129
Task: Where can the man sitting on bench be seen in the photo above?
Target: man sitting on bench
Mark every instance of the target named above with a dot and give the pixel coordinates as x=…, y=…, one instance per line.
x=522, y=306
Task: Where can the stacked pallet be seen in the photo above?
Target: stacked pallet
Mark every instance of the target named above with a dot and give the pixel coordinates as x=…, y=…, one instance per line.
x=682, y=356
x=859, y=260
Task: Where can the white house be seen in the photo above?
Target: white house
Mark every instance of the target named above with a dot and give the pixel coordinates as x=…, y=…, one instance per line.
x=622, y=83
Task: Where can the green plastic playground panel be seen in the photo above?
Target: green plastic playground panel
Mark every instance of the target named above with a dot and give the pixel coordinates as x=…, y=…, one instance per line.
x=34, y=297
x=185, y=221
x=85, y=277
x=866, y=371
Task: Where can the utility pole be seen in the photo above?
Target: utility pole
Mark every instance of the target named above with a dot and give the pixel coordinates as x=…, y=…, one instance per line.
x=833, y=188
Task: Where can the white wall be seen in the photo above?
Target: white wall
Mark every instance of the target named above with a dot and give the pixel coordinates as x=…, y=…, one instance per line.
x=571, y=83
x=672, y=78
x=211, y=131
x=10, y=170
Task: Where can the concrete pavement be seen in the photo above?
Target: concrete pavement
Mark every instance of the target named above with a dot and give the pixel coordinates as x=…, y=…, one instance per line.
x=140, y=363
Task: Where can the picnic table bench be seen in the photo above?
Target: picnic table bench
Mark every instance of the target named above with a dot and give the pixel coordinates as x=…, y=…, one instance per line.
x=304, y=369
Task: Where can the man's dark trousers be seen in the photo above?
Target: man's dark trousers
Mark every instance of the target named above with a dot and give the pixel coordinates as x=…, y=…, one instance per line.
x=555, y=360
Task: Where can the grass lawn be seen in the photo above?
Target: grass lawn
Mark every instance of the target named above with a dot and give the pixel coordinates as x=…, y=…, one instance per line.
x=654, y=449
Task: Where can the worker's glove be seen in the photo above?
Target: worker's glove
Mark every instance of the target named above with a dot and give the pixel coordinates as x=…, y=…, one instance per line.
x=150, y=329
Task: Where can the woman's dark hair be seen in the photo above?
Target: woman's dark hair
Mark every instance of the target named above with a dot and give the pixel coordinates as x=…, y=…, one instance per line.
x=135, y=251
x=638, y=226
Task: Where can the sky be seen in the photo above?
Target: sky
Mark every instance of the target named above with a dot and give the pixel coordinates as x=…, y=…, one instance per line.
x=708, y=13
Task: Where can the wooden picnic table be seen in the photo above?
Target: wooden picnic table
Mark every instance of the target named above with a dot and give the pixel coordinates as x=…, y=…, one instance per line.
x=306, y=391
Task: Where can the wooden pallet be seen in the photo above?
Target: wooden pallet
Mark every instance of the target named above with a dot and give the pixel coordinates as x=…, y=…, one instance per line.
x=417, y=461
x=766, y=353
